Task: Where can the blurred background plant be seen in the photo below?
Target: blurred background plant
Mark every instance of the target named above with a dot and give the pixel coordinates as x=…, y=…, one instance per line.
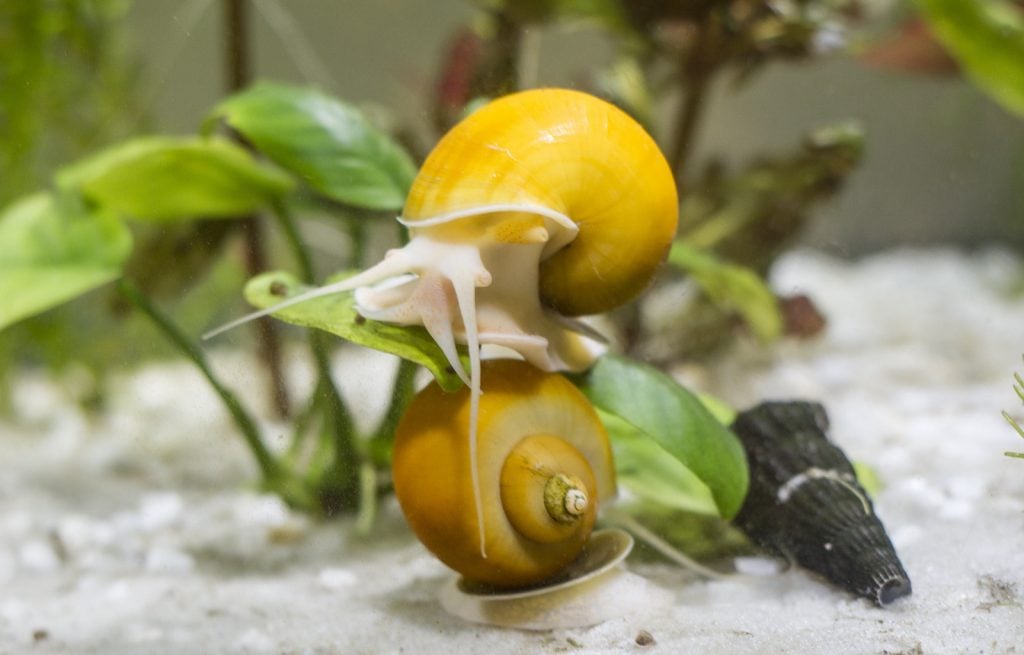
x=1018, y=388
x=79, y=75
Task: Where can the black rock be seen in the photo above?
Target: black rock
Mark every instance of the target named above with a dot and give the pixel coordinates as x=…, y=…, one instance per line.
x=805, y=502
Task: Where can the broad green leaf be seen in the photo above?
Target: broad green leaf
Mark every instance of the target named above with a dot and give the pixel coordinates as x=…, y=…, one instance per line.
x=722, y=412
x=170, y=178
x=668, y=414
x=328, y=144
x=52, y=251
x=650, y=473
x=733, y=287
x=337, y=314
x=987, y=38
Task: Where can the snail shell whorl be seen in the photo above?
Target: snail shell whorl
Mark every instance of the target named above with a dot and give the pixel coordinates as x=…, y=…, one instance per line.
x=533, y=426
x=576, y=155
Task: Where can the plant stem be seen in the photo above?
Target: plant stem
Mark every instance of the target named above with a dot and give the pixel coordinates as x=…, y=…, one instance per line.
x=291, y=234
x=339, y=414
x=367, y=498
x=696, y=72
x=401, y=395
x=236, y=53
x=344, y=470
x=237, y=60
x=686, y=127
x=357, y=233
x=269, y=466
x=319, y=346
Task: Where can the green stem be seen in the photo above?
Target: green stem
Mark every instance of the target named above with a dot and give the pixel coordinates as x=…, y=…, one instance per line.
x=367, y=498
x=269, y=466
x=291, y=234
x=303, y=424
x=401, y=395
x=318, y=344
x=343, y=471
x=357, y=235
x=341, y=416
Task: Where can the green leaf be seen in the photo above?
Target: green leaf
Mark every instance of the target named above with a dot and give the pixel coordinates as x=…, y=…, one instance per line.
x=170, y=178
x=337, y=314
x=670, y=416
x=52, y=251
x=733, y=287
x=651, y=474
x=722, y=412
x=987, y=38
x=325, y=142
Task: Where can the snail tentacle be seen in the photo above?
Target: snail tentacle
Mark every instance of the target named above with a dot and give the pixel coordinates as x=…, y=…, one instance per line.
x=465, y=293
x=394, y=264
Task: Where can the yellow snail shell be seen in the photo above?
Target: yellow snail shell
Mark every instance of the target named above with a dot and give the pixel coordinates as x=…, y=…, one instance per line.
x=536, y=431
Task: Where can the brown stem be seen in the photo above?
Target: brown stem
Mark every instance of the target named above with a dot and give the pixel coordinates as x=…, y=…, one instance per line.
x=686, y=127
x=237, y=60
x=236, y=56
x=695, y=72
x=268, y=338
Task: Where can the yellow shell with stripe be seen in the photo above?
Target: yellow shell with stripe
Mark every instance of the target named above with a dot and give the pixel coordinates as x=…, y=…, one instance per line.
x=563, y=153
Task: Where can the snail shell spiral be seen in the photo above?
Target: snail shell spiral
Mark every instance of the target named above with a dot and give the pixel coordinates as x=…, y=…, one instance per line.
x=566, y=162
x=545, y=466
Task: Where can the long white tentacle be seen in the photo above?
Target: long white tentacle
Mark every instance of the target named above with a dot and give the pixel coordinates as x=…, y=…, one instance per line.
x=439, y=325
x=394, y=264
x=465, y=293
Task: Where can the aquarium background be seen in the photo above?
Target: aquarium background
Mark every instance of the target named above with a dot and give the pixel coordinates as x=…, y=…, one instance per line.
x=943, y=163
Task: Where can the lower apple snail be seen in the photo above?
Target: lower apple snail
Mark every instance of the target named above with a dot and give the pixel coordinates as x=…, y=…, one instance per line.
x=545, y=467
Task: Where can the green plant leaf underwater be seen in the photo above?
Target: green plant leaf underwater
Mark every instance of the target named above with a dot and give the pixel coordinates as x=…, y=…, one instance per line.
x=987, y=38
x=651, y=474
x=176, y=178
x=649, y=404
x=52, y=250
x=328, y=144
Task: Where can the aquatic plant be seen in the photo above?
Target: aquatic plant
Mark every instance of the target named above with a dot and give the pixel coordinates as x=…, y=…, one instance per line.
x=152, y=213
x=1018, y=388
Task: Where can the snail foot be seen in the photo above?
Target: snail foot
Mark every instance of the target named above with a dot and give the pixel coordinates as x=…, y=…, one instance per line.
x=595, y=588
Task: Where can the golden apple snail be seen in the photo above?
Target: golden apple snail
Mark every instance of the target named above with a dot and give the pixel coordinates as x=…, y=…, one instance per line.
x=545, y=466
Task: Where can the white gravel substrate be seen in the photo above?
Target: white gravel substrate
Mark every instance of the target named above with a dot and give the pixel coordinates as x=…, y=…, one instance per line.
x=136, y=531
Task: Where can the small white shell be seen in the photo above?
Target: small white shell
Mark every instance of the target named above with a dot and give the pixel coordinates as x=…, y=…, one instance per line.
x=595, y=588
